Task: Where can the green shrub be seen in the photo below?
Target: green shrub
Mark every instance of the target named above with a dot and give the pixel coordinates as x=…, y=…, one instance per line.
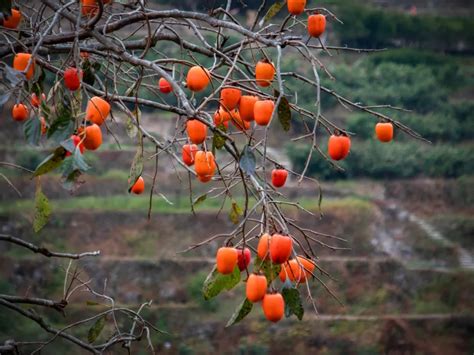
x=393, y=160
x=372, y=27
x=411, y=87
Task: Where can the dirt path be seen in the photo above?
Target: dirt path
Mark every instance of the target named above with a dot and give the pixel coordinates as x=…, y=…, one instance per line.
x=395, y=216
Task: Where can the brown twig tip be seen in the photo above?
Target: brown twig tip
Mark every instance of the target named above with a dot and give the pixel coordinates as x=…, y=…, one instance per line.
x=44, y=251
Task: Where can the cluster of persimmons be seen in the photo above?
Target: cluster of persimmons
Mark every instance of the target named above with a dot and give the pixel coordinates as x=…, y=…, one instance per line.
x=236, y=108
x=276, y=248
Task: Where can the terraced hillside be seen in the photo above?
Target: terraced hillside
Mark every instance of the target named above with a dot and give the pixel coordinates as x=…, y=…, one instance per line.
x=404, y=280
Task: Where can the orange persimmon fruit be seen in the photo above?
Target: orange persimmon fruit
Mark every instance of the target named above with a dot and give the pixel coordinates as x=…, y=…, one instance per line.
x=280, y=248
x=256, y=287
x=226, y=260
x=384, y=131
x=197, y=79
x=273, y=306
x=264, y=73
x=196, y=130
x=97, y=110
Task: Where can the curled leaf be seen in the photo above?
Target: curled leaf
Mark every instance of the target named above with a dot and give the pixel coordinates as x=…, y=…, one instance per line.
x=96, y=329
x=241, y=312
x=293, y=303
x=216, y=282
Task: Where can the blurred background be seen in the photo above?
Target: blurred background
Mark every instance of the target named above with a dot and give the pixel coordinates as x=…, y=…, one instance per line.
x=405, y=208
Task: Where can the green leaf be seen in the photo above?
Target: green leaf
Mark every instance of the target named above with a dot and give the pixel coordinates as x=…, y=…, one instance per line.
x=235, y=212
x=45, y=110
x=270, y=270
x=293, y=303
x=284, y=114
x=68, y=144
x=240, y=313
x=199, y=199
x=88, y=73
x=92, y=303
x=51, y=162
x=42, y=210
x=67, y=166
x=272, y=11
x=32, y=131
x=96, y=65
x=38, y=85
x=96, y=329
x=218, y=140
x=247, y=161
x=132, y=130
x=62, y=126
x=72, y=169
x=78, y=162
x=216, y=282
x=70, y=180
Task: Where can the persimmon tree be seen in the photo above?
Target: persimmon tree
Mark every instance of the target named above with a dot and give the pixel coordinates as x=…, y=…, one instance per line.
x=69, y=68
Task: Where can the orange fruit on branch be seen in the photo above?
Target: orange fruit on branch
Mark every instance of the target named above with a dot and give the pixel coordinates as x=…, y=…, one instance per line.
x=279, y=177
x=280, y=248
x=264, y=246
x=244, y=257
x=221, y=116
x=256, y=287
x=72, y=78
x=19, y=112
x=296, y=7
x=20, y=62
x=97, y=110
x=44, y=127
x=165, y=86
x=263, y=111
x=264, y=73
x=339, y=147
x=238, y=122
x=246, y=107
x=384, y=131
x=230, y=98
x=197, y=79
x=204, y=163
x=204, y=179
x=89, y=7
x=139, y=186
x=36, y=101
x=13, y=20
x=226, y=260
x=298, y=269
x=92, y=137
x=188, y=153
x=316, y=25
x=273, y=306
x=197, y=131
